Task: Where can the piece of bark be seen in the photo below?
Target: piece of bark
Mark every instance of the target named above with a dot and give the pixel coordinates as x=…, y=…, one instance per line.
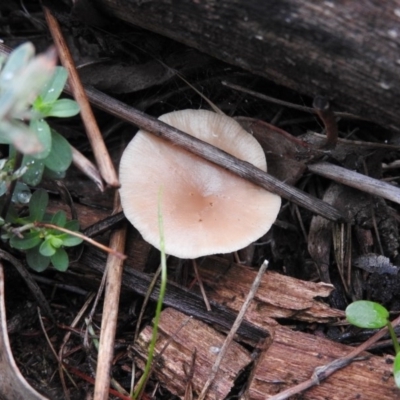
x=293, y=356
x=194, y=342
x=346, y=51
x=278, y=296
x=184, y=300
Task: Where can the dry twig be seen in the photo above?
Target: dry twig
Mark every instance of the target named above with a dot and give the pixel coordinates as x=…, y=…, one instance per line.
x=114, y=270
x=94, y=135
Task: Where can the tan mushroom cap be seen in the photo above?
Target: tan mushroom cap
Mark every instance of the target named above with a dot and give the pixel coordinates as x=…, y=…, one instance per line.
x=206, y=209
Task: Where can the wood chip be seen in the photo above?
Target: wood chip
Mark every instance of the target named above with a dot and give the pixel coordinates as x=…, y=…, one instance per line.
x=278, y=296
x=194, y=337
x=293, y=356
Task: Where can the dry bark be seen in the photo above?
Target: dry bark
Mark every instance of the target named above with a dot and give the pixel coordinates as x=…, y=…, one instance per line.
x=194, y=344
x=278, y=296
x=347, y=51
x=293, y=356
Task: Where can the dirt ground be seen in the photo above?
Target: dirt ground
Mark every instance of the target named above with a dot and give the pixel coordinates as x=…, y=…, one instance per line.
x=146, y=71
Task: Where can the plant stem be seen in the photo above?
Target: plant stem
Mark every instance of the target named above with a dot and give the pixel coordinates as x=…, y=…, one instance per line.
x=163, y=285
x=393, y=337
x=83, y=237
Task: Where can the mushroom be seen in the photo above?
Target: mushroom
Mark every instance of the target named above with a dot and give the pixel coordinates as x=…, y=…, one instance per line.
x=206, y=209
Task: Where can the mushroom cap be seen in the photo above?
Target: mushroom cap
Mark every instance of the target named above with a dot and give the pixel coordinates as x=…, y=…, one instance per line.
x=205, y=208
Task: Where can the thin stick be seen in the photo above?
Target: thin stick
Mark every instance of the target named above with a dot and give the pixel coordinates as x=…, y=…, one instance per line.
x=87, y=167
x=100, y=151
x=321, y=373
x=65, y=340
x=233, y=330
x=286, y=103
x=31, y=283
x=81, y=236
x=213, y=154
x=114, y=270
x=356, y=180
x=200, y=282
x=327, y=116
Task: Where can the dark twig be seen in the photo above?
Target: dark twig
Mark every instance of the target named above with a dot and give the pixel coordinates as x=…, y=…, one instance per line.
x=286, y=103
x=325, y=112
x=213, y=154
x=32, y=285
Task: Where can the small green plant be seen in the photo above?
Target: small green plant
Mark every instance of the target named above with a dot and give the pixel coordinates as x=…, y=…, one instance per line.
x=371, y=315
x=29, y=92
x=43, y=245
x=163, y=286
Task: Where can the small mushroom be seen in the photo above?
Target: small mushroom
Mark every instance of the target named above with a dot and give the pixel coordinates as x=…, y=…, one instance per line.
x=206, y=209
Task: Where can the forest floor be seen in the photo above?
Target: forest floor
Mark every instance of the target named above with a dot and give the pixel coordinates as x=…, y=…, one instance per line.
x=316, y=267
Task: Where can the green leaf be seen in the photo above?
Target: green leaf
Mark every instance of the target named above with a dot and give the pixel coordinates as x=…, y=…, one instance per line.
x=19, y=135
x=30, y=240
x=72, y=225
x=43, y=133
x=56, y=242
x=34, y=174
x=60, y=157
x=46, y=249
x=69, y=240
x=37, y=261
x=396, y=370
x=367, y=314
x=17, y=60
x=60, y=260
x=49, y=174
x=63, y=108
x=22, y=194
x=59, y=218
x=26, y=84
x=53, y=88
x=38, y=205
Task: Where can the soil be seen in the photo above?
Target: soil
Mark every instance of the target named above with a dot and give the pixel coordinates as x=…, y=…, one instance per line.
x=145, y=70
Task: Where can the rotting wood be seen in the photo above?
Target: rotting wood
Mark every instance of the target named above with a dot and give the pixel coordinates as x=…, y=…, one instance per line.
x=177, y=297
x=278, y=296
x=293, y=356
x=346, y=51
x=194, y=338
x=232, y=333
